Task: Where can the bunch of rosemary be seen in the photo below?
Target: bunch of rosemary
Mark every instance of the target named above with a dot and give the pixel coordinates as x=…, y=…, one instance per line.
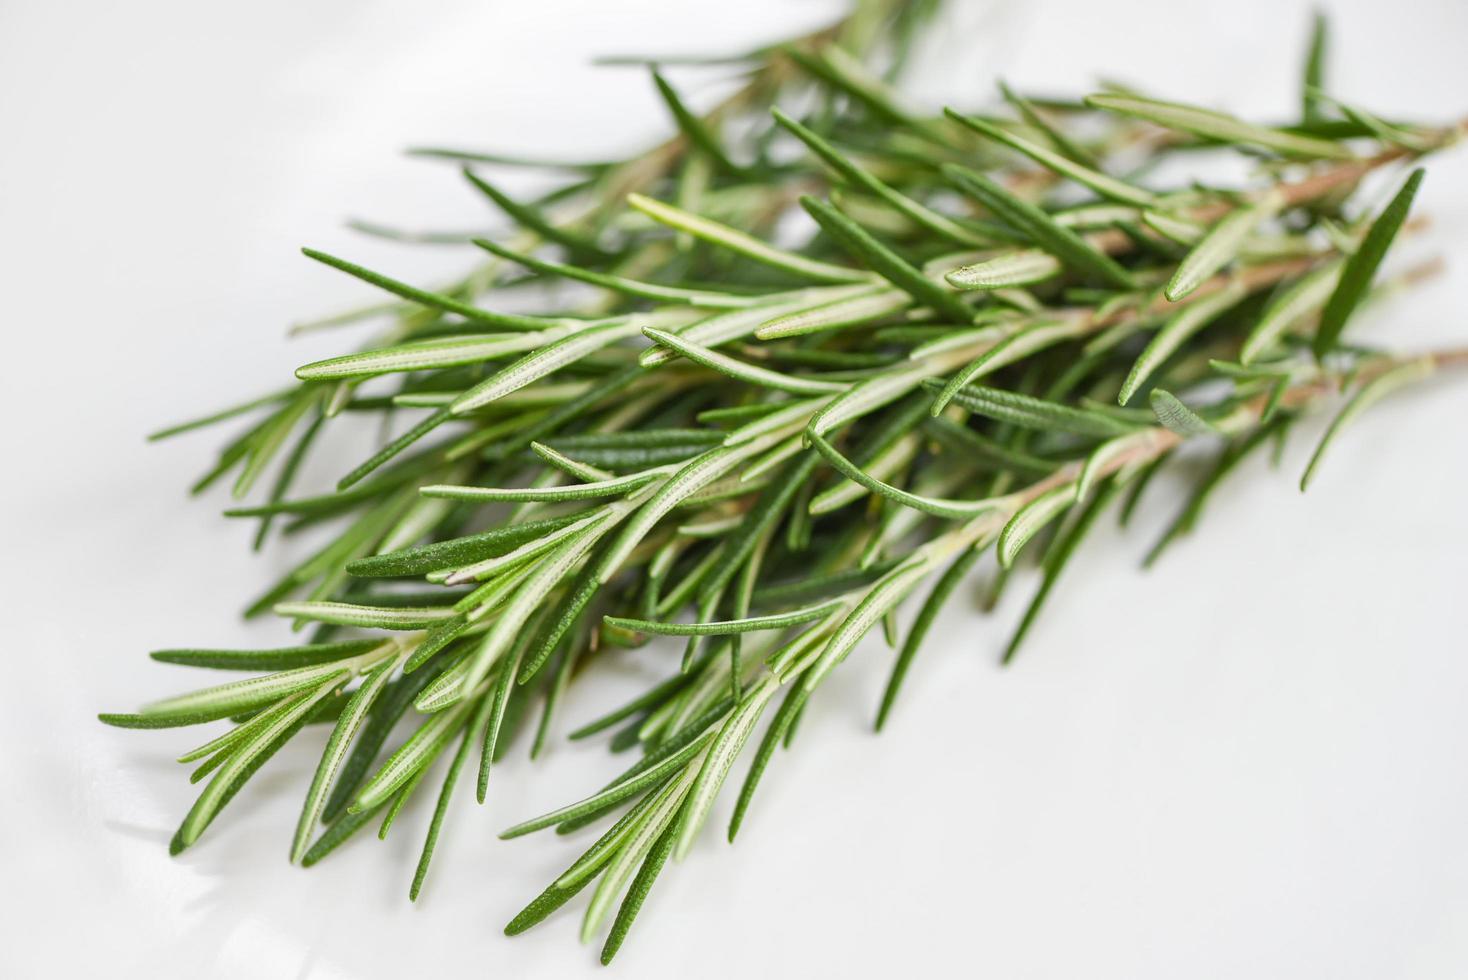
x=994, y=327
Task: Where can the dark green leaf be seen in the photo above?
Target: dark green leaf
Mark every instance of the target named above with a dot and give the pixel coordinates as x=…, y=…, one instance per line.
x=1039, y=227
x=1361, y=267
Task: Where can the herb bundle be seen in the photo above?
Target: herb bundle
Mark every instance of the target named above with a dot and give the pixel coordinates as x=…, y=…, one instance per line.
x=994, y=327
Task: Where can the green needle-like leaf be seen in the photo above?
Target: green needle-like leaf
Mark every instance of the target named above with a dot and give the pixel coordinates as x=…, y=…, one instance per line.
x=692, y=477
x=562, y=617
x=504, y=321
x=421, y=355
x=1225, y=464
x=532, y=220
x=1176, y=416
x=446, y=792
x=1017, y=346
x=1220, y=245
x=1360, y=268
x=789, y=709
x=1072, y=250
x=392, y=449
x=1311, y=108
x=868, y=306
x=1064, y=144
x=221, y=416
x=398, y=801
x=1219, y=126
x=546, y=360
x=415, y=755
x=942, y=590
x=882, y=596
x=620, y=284
x=937, y=507
x=1178, y=329
x=245, y=760
x=355, y=614
x=920, y=215
x=981, y=449
x=1366, y=396
x=620, y=790
x=740, y=371
x=1007, y=269
x=1039, y=414
x=746, y=245
x=1306, y=295
x=614, y=487
x=848, y=76
x=1030, y=518
x=225, y=700
x=720, y=759
x=652, y=866
x=498, y=703
x=693, y=127
x=287, y=474
x=348, y=724
x=384, y=714
x=760, y=519
x=280, y=658
x=747, y=625
x=582, y=872
x=638, y=844
x=862, y=245
x=1107, y=187
x=1065, y=546
x=455, y=552
x=1386, y=132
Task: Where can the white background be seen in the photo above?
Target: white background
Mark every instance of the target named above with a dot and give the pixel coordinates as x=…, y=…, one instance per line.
x=1247, y=762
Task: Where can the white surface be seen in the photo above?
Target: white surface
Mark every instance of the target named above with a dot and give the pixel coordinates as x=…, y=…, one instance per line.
x=1247, y=763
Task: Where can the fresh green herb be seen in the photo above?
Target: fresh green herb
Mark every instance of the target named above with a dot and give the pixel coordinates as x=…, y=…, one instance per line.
x=764, y=449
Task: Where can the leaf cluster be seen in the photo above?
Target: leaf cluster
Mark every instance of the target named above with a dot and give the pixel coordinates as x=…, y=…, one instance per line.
x=990, y=336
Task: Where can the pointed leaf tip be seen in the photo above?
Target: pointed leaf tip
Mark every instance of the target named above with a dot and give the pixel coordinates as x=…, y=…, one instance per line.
x=1360, y=268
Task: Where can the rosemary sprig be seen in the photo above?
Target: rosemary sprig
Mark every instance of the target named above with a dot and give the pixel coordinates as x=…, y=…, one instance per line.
x=782, y=441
